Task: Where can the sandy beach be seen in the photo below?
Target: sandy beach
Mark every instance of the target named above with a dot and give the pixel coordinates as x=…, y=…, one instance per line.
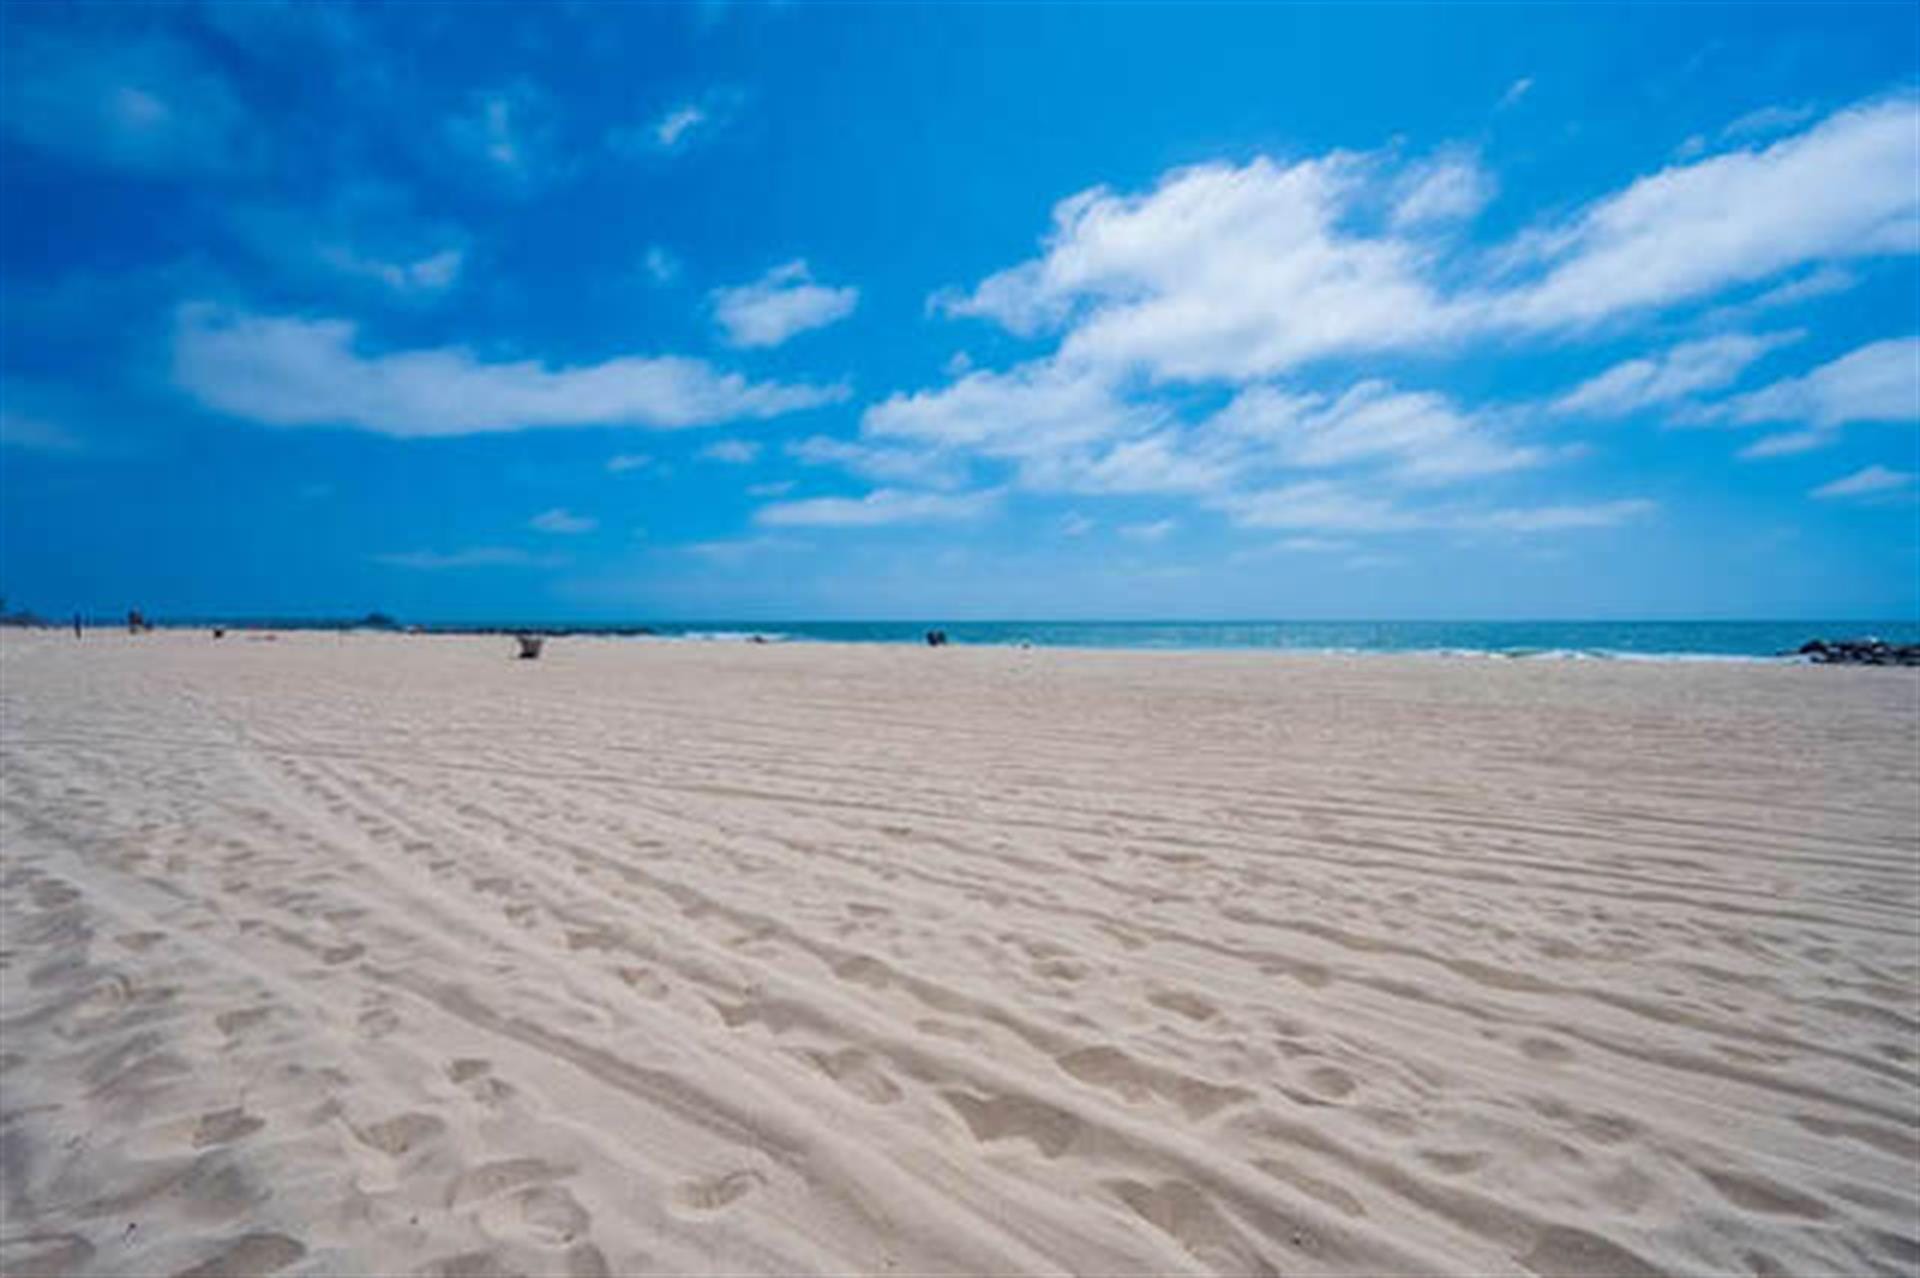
x=376, y=954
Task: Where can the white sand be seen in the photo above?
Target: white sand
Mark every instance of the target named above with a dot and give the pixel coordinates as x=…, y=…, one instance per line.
x=390, y=955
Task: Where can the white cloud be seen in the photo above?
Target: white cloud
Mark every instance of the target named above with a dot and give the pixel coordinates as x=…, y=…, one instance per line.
x=779, y=304
x=878, y=462
x=740, y=549
x=773, y=488
x=285, y=371
x=1239, y=273
x=620, y=463
x=1768, y=121
x=1048, y=419
x=732, y=452
x=1788, y=444
x=366, y=233
x=475, y=557
x=1672, y=374
x=1876, y=383
x=1874, y=481
x=1516, y=91
x=1561, y=518
x=148, y=105
x=36, y=434
x=1869, y=482
x=679, y=127
x=1075, y=524
x=1848, y=187
x=509, y=130
x=881, y=506
x=1822, y=282
x=1452, y=187
x=1321, y=506
x=1156, y=531
x=562, y=522
x=662, y=266
x=1318, y=505
x=675, y=124
x=1219, y=272
x=1421, y=436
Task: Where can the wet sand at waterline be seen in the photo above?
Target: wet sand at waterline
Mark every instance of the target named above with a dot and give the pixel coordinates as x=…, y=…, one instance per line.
x=384, y=954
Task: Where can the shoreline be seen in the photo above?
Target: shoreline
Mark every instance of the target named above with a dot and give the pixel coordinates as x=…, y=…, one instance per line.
x=774, y=636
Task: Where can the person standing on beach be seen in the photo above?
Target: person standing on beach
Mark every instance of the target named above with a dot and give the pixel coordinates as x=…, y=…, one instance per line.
x=76, y=625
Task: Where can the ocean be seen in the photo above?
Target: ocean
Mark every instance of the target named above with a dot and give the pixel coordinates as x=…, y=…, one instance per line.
x=1540, y=639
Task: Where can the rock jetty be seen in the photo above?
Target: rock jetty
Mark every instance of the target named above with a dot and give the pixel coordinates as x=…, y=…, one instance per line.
x=1860, y=652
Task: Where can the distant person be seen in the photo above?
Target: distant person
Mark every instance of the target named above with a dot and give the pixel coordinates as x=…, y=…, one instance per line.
x=76, y=625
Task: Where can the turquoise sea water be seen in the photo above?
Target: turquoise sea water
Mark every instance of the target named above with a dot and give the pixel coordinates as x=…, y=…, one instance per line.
x=1600, y=639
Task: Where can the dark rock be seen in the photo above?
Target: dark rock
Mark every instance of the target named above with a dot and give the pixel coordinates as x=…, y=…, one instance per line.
x=1860, y=652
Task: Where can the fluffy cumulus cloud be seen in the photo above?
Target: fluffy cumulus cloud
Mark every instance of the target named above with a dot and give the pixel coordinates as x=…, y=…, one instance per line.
x=779, y=304
x=287, y=371
x=879, y=507
x=1218, y=272
x=1674, y=374
x=1265, y=279
x=1873, y=481
x=1238, y=272
x=146, y=105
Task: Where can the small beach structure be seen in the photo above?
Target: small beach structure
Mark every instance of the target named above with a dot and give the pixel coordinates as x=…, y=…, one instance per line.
x=530, y=646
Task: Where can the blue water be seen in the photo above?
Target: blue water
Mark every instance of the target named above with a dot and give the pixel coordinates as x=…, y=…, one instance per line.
x=1647, y=639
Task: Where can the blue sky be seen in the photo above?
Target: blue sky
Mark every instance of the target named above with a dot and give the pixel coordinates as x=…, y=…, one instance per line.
x=803, y=311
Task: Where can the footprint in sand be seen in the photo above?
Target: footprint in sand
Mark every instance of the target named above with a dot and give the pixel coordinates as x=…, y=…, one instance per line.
x=480, y=1183
x=1330, y=1082
x=715, y=1193
x=248, y=1255
x=1546, y=1050
x=544, y=1216
x=223, y=1127
x=397, y=1136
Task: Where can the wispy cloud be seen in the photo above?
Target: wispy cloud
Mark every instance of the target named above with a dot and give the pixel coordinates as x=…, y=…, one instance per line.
x=1671, y=375
x=473, y=557
x=36, y=434
x=1154, y=531
x=882, y=506
x=661, y=265
x=509, y=131
x=285, y=371
x=562, y=522
x=779, y=304
x=731, y=452
x=679, y=126
x=621, y=463
x=1879, y=382
x=146, y=104
x=1873, y=481
x=366, y=233
x=1516, y=91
